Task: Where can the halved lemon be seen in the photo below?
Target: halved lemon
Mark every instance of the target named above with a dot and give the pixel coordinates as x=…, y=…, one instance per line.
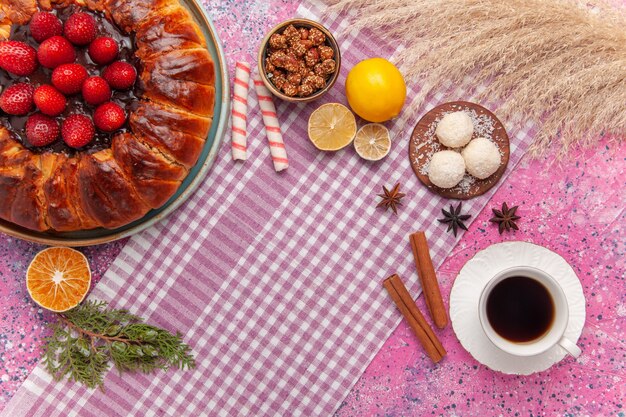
x=58, y=278
x=372, y=142
x=332, y=127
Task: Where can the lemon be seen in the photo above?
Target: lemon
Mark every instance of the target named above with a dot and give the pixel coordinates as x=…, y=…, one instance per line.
x=372, y=142
x=376, y=90
x=332, y=127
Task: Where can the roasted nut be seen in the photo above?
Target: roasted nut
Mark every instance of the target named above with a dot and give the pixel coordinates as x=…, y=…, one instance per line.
x=305, y=90
x=279, y=82
x=269, y=67
x=292, y=34
x=283, y=60
x=315, y=81
x=292, y=65
x=277, y=58
x=316, y=36
x=312, y=57
x=326, y=52
x=325, y=68
x=303, y=70
x=290, y=90
x=304, y=33
x=278, y=41
x=278, y=73
x=299, y=48
x=294, y=78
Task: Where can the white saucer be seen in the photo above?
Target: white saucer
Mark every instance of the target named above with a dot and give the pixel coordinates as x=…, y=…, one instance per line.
x=475, y=275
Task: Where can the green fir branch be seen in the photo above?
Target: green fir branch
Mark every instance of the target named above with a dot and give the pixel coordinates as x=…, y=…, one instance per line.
x=87, y=338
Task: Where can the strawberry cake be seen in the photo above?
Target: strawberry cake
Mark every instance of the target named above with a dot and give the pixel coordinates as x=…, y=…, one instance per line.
x=105, y=106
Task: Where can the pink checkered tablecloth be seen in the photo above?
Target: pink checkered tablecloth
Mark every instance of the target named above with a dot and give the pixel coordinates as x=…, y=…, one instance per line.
x=273, y=279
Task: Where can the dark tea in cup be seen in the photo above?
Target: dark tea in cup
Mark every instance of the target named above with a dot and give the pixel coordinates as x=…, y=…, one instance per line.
x=520, y=309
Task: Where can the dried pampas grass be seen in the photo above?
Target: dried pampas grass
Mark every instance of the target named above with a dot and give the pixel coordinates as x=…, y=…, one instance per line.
x=557, y=63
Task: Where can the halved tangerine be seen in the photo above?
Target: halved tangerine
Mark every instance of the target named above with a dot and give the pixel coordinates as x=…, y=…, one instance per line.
x=58, y=279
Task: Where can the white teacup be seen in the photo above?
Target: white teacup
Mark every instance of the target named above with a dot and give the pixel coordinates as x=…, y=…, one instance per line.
x=555, y=332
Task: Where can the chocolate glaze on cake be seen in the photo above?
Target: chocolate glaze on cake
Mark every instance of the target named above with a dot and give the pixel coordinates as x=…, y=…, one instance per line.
x=75, y=103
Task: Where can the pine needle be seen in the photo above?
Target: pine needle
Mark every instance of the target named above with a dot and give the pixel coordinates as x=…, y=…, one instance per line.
x=560, y=64
x=90, y=336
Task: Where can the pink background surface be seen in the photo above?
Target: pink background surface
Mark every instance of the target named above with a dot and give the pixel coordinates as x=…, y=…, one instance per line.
x=576, y=209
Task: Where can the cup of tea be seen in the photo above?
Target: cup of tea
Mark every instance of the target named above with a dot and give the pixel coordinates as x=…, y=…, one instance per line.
x=524, y=312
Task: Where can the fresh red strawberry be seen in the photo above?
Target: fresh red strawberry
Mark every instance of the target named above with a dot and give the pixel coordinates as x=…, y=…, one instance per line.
x=17, y=58
x=69, y=78
x=17, y=99
x=77, y=130
x=109, y=117
x=45, y=25
x=96, y=91
x=49, y=100
x=55, y=51
x=80, y=29
x=103, y=50
x=120, y=75
x=41, y=130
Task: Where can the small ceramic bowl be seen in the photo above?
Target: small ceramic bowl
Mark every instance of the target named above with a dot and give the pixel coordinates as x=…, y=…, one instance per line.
x=298, y=23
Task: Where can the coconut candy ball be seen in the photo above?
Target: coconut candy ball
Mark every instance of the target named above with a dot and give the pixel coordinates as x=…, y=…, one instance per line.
x=455, y=129
x=446, y=169
x=482, y=158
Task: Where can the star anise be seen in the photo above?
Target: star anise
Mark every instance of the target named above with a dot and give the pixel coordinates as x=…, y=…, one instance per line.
x=454, y=218
x=391, y=198
x=505, y=218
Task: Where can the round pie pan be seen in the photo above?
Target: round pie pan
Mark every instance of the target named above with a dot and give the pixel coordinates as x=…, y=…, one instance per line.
x=195, y=177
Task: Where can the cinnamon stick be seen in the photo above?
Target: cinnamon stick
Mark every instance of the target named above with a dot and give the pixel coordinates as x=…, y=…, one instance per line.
x=428, y=279
x=399, y=294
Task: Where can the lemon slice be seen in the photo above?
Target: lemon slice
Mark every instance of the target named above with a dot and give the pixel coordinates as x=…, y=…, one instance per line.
x=372, y=142
x=332, y=127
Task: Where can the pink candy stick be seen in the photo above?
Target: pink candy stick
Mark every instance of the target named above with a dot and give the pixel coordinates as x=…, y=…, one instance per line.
x=272, y=127
x=239, y=111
